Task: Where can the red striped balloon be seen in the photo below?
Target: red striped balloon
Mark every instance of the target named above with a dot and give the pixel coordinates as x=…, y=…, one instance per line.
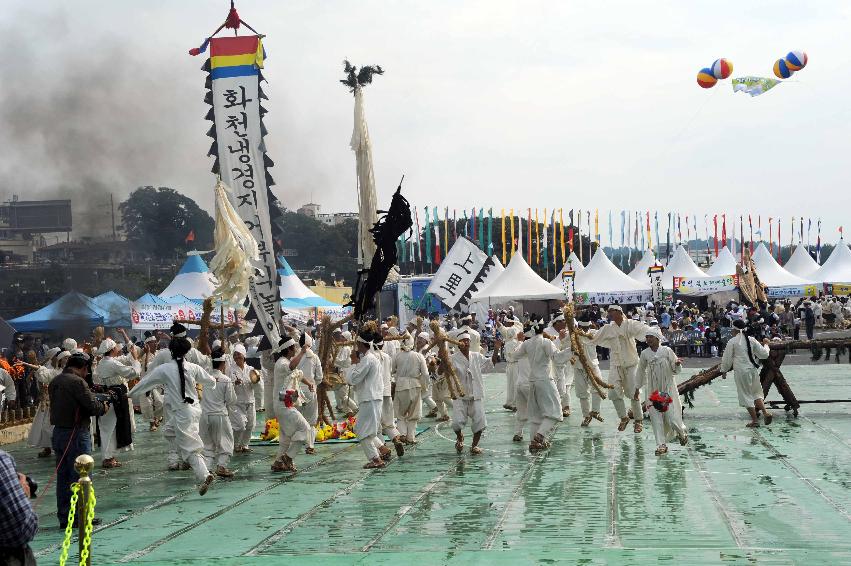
x=722, y=68
x=706, y=79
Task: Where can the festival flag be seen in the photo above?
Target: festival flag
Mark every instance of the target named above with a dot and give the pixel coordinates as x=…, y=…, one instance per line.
x=750, y=227
x=588, y=225
x=454, y=226
x=466, y=225
x=482, y=228
x=233, y=81
x=771, y=235
x=611, y=243
x=436, y=237
x=561, y=222
x=688, y=231
x=649, y=239
x=529, y=228
x=503, y=236
x=623, y=225
x=656, y=223
x=490, y=231
x=668, y=238
x=537, y=240
x=818, y=242
x=840, y=233
x=427, y=235
x=715, y=223
x=513, y=241
x=809, y=233
x=724, y=230
x=597, y=226
x=579, y=233
x=741, y=236
x=473, y=223
x=637, y=229
x=759, y=226
x=679, y=230
x=419, y=244
x=779, y=240
x=446, y=230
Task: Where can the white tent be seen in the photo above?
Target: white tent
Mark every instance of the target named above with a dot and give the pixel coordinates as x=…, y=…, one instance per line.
x=680, y=265
x=724, y=264
x=294, y=293
x=639, y=272
x=801, y=263
x=602, y=276
x=194, y=280
x=837, y=268
x=771, y=273
x=517, y=283
x=572, y=264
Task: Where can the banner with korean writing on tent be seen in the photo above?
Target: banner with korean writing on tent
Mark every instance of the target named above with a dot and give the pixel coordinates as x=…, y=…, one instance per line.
x=461, y=273
x=786, y=291
x=699, y=286
x=619, y=297
x=159, y=315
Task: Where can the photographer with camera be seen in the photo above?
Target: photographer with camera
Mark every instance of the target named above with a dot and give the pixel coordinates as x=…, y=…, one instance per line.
x=18, y=520
x=72, y=404
x=744, y=355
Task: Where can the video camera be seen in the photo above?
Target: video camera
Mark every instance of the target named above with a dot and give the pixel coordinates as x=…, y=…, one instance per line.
x=107, y=396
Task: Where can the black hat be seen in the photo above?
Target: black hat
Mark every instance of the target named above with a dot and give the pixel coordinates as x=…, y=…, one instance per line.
x=178, y=330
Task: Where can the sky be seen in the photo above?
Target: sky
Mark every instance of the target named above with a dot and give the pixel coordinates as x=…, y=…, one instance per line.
x=586, y=105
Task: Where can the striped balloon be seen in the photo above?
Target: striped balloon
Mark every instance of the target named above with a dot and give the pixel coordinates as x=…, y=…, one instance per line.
x=706, y=79
x=796, y=60
x=781, y=71
x=722, y=68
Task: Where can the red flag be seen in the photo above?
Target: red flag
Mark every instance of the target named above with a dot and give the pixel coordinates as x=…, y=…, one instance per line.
x=570, y=238
x=190, y=237
x=723, y=230
x=715, y=222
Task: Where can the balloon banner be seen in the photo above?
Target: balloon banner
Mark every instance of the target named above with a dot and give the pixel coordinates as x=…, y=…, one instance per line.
x=754, y=86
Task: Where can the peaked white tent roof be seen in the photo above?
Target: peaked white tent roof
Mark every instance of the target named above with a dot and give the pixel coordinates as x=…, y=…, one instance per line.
x=517, y=283
x=801, y=263
x=837, y=268
x=194, y=280
x=724, y=264
x=680, y=265
x=603, y=276
x=294, y=293
x=639, y=272
x=772, y=273
x=572, y=263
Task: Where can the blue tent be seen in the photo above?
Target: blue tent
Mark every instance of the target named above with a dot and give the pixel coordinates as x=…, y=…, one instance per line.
x=72, y=309
x=117, y=308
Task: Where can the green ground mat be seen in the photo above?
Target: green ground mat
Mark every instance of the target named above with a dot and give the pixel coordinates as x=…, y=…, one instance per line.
x=775, y=495
x=255, y=440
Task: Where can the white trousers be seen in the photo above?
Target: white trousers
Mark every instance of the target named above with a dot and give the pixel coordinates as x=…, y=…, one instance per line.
x=243, y=417
x=521, y=416
x=511, y=370
x=624, y=380
x=388, y=418
x=589, y=399
x=107, y=423
x=666, y=424
x=217, y=435
x=151, y=405
x=343, y=399
x=748, y=387
x=190, y=448
x=464, y=409
x=564, y=381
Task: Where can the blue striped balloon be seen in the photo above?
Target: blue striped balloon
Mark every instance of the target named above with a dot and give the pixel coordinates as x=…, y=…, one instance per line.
x=796, y=60
x=781, y=70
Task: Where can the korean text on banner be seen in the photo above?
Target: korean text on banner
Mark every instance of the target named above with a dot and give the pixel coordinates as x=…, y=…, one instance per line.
x=461, y=273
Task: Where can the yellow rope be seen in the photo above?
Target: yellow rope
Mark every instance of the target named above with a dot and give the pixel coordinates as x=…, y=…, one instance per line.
x=90, y=515
x=75, y=491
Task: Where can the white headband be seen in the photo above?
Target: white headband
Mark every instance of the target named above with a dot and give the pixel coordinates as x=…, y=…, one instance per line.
x=284, y=346
x=463, y=336
x=151, y=338
x=615, y=308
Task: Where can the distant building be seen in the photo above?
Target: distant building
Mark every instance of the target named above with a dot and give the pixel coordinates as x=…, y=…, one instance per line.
x=23, y=222
x=338, y=218
x=310, y=209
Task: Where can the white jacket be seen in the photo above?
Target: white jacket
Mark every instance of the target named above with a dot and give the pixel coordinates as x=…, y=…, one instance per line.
x=620, y=340
x=736, y=353
x=366, y=378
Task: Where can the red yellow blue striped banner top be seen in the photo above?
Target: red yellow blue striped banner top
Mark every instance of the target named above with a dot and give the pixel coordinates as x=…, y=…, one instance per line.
x=235, y=56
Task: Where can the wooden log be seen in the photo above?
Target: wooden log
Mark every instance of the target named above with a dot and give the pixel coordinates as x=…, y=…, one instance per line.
x=699, y=379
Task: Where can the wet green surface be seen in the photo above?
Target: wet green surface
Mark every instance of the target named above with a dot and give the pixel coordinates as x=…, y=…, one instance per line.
x=777, y=495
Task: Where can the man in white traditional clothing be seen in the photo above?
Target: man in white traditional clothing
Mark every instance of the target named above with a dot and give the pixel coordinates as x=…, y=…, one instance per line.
x=469, y=366
x=412, y=378
x=243, y=414
x=388, y=416
x=365, y=377
x=619, y=336
x=288, y=377
x=509, y=332
x=252, y=356
x=521, y=382
x=657, y=366
x=41, y=432
x=215, y=427
x=151, y=404
x=743, y=354
x=436, y=396
x=311, y=369
x=342, y=393
x=180, y=379
x=589, y=397
x=562, y=370
x=467, y=327
x=544, y=402
x=112, y=372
